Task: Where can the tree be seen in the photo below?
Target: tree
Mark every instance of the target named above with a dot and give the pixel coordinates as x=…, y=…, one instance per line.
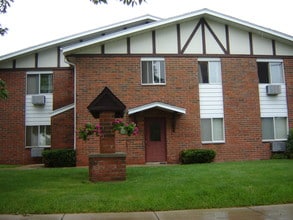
x=4, y=4
x=127, y=2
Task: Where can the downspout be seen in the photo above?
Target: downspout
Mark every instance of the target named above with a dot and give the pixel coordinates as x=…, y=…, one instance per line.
x=74, y=98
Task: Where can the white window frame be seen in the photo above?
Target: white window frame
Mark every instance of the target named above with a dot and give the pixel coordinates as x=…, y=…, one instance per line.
x=39, y=133
x=153, y=60
x=271, y=61
x=274, y=124
x=209, y=61
x=212, y=132
x=39, y=73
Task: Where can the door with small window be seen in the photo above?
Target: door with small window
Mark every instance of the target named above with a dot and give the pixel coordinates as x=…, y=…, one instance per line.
x=155, y=139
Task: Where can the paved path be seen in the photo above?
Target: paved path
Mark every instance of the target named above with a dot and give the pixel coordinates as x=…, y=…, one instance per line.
x=272, y=212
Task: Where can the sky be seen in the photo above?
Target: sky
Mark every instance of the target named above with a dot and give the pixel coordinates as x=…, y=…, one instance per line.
x=32, y=22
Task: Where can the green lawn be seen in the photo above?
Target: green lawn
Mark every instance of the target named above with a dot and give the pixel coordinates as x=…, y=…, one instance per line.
x=67, y=190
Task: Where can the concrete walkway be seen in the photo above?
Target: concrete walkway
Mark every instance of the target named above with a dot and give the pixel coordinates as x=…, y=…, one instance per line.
x=272, y=212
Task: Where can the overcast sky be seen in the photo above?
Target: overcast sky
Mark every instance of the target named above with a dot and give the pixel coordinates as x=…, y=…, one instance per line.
x=33, y=22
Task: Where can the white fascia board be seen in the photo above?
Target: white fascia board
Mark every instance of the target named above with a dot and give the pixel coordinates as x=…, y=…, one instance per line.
x=67, y=39
x=159, y=105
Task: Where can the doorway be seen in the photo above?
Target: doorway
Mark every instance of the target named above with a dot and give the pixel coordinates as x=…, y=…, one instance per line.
x=155, y=139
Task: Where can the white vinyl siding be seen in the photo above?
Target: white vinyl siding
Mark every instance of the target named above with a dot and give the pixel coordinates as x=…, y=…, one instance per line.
x=38, y=115
x=272, y=106
x=211, y=101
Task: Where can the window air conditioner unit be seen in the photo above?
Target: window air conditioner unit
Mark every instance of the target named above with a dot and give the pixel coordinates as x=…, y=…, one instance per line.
x=37, y=151
x=273, y=89
x=278, y=146
x=38, y=100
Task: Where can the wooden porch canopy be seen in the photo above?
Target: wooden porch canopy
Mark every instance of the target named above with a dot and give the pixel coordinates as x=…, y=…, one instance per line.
x=174, y=110
x=106, y=101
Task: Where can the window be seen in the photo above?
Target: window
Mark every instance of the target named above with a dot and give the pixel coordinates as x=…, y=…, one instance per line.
x=39, y=83
x=274, y=128
x=153, y=71
x=210, y=72
x=38, y=136
x=212, y=130
x=270, y=72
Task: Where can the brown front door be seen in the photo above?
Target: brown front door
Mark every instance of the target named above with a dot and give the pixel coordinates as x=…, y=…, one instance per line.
x=155, y=139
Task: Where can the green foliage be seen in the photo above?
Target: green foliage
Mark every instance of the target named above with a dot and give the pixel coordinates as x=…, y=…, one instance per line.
x=4, y=4
x=59, y=158
x=3, y=90
x=279, y=156
x=289, y=145
x=197, y=156
x=126, y=2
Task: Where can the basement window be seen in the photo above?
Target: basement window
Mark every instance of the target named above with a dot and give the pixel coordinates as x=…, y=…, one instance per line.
x=274, y=128
x=38, y=136
x=212, y=130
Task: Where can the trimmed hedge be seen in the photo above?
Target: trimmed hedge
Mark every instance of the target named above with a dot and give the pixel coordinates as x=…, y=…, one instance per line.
x=197, y=156
x=59, y=158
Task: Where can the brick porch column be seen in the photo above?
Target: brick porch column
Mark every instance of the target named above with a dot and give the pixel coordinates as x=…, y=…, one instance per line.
x=107, y=139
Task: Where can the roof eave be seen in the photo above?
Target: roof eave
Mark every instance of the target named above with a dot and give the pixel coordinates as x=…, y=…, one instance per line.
x=68, y=39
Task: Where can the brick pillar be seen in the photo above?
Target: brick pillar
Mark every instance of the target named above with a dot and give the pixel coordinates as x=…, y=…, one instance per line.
x=107, y=167
x=107, y=140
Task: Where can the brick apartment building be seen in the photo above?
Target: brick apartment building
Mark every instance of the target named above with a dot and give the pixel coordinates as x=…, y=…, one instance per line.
x=198, y=80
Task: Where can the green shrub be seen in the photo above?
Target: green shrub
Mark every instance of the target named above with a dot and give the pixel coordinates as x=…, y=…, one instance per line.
x=289, y=145
x=59, y=158
x=197, y=156
x=279, y=156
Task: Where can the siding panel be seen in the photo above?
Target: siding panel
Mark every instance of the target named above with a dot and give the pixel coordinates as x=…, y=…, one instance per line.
x=211, y=101
x=273, y=106
x=38, y=115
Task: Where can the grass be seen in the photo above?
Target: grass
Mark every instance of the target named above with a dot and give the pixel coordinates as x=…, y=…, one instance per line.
x=67, y=190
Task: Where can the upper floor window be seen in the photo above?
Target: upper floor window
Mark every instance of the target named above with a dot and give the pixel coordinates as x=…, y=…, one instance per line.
x=270, y=72
x=209, y=71
x=38, y=83
x=153, y=71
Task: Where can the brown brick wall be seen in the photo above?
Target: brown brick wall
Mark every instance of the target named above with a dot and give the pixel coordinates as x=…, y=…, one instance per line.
x=288, y=68
x=12, y=116
x=12, y=123
x=243, y=139
x=62, y=130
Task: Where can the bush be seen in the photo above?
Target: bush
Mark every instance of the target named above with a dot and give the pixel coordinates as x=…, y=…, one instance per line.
x=197, y=156
x=59, y=158
x=289, y=145
x=279, y=156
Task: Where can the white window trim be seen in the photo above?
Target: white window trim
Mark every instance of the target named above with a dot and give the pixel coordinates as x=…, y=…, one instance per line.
x=38, y=73
x=212, y=130
x=275, y=139
x=152, y=59
x=205, y=59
